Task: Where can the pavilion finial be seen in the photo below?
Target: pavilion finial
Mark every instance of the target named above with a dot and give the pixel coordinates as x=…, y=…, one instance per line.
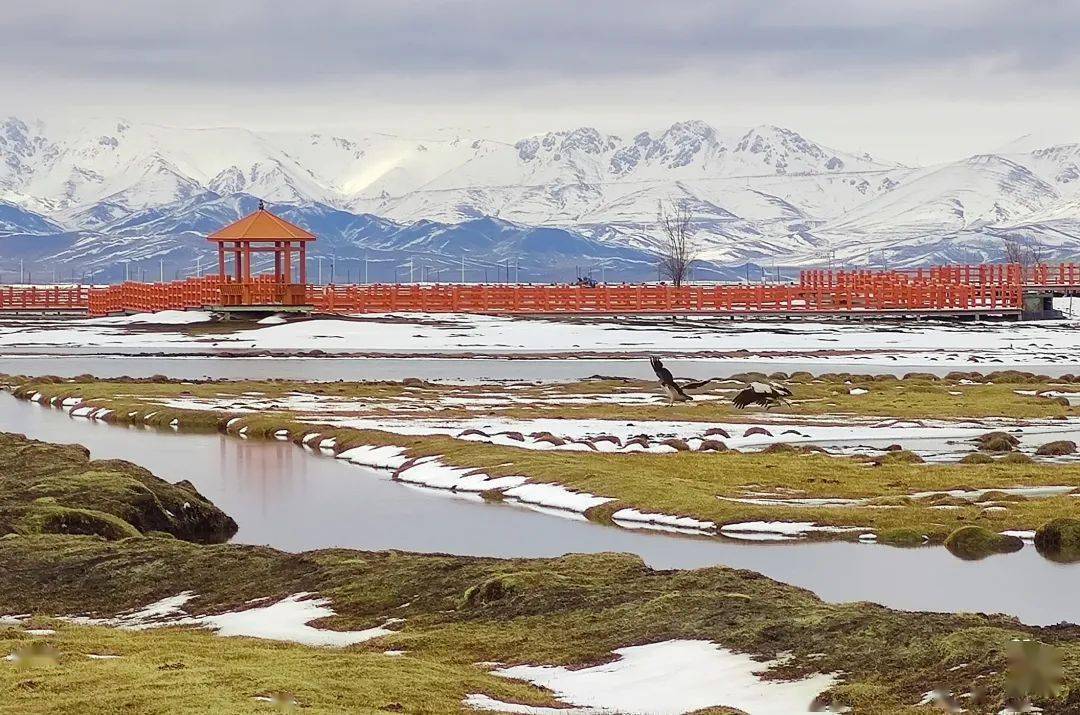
x=262, y=206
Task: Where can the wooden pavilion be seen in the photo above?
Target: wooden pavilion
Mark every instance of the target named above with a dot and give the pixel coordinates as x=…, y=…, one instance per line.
x=262, y=232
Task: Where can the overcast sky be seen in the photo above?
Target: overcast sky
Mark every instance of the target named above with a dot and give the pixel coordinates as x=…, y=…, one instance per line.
x=912, y=81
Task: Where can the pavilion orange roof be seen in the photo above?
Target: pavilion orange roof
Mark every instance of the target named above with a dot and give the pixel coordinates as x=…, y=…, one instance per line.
x=261, y=226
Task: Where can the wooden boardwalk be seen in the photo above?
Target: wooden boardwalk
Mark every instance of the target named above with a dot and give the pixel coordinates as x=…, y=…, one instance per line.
x=941, y=291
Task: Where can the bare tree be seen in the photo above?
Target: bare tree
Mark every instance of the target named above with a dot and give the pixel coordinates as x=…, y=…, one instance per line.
x=678, y=251
x=1026, y=252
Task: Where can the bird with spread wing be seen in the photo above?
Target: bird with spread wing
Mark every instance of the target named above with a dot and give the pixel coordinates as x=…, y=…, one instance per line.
x=675, y=391
x=766, y=394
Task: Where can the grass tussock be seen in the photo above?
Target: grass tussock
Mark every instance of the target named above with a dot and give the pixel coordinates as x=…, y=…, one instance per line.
x=51, y=488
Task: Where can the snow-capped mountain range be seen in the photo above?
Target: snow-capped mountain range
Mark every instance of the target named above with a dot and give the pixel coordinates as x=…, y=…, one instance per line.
x=109, y=191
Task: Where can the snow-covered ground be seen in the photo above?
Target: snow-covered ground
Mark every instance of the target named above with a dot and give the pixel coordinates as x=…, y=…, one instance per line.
x=666, y=678
x=965, y=345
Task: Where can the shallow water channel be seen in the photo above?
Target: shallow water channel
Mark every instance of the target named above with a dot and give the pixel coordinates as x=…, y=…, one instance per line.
x=294, y=500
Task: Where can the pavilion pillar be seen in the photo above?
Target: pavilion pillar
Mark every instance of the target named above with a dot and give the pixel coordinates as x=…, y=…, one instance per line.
x=221, y=259
x=288, y=261
x=247, y=262
x=237, y=262
x=303, y=262
x=277, y=262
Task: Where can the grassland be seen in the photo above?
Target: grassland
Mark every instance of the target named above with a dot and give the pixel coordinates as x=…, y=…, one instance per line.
x=707, y=486
x=458, y=612
x=916, y=396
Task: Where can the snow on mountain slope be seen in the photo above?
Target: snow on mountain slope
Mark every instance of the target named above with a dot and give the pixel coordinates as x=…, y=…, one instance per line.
x=980, y=190
x=17, y=220
x=763, y=193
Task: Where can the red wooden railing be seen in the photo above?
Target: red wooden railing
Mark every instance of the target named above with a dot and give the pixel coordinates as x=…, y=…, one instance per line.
x=43, y=298
x=861, y=295
x=940, y=288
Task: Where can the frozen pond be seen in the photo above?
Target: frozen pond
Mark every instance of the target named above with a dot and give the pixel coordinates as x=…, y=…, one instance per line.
x=328, y=369
x=294, y=500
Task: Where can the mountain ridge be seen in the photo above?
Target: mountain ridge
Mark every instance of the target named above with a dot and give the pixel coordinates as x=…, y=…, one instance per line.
x=762, y=194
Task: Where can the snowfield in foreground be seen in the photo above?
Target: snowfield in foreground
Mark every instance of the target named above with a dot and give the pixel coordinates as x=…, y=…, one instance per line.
x=899, y=344
x=667, y=678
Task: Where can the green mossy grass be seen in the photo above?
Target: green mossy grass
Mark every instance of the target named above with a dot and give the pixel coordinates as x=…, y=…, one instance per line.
x=51, y=488
x=976, y=542
x=458, y=611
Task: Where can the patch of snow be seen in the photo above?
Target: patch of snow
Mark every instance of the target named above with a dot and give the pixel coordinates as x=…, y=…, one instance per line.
x=387, y=457
x=287, y=620
x=156, y=614
x=678, y=522
x=478, y=701
x=555, y=496
x=430, y=472
x=675, y=677
x=975, y=494
x=757, y=530
x=164, y=317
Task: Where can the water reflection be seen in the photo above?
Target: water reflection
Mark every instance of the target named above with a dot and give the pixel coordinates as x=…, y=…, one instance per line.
x=285, y=497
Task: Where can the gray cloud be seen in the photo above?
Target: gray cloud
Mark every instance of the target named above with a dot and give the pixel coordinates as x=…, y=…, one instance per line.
x=911, y=79
x=279, y=41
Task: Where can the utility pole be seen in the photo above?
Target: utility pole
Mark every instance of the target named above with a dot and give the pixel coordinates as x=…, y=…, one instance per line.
x=411, y=278
x=161, y=270
x=463, y=268
x=198, y=266
x=319, y=278
x=22, y=272
x=365, y=267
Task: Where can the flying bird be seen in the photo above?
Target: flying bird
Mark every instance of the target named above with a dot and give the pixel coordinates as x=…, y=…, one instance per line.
x=676, y=392
x=766, y=394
